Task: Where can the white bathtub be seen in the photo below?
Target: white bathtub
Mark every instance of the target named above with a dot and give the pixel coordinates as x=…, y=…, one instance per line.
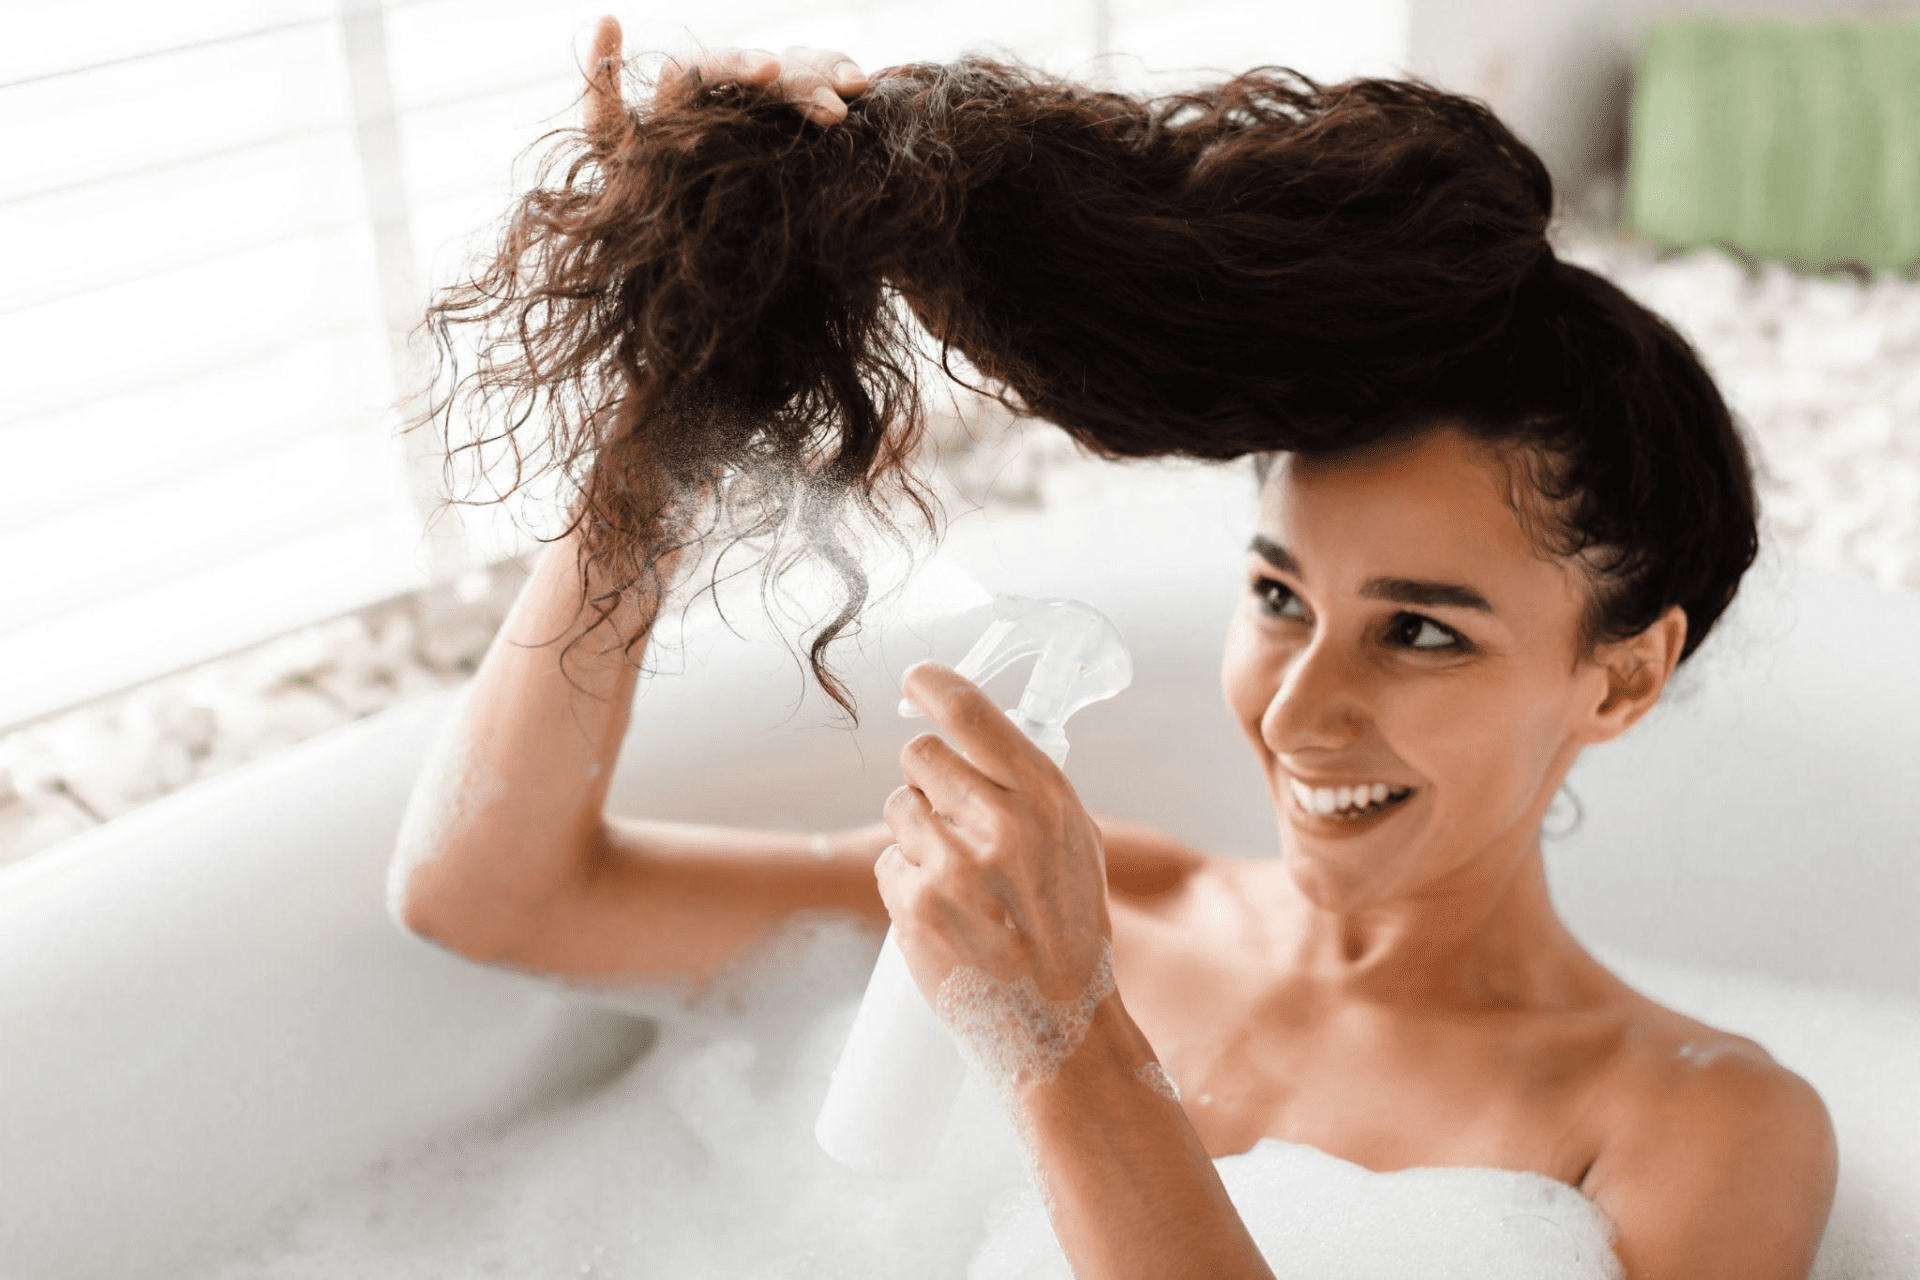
x=206, y=1011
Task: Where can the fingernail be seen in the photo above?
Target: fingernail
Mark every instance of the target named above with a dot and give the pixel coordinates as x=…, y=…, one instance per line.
x=847, y=71
x=756, y=63
x=826, y=98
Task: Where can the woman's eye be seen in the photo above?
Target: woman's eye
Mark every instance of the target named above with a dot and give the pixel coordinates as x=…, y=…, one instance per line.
x=1416, y=632
x=1278, y=599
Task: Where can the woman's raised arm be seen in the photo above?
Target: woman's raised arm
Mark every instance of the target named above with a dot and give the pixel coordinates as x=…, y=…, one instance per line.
x=505, y=818
x=506, y=854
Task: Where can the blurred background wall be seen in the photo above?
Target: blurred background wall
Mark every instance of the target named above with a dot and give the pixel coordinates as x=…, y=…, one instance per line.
x=1561, y=71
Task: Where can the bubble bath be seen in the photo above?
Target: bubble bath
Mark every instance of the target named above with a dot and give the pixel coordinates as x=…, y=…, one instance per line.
x=1155, y=1077
x=698, y=1160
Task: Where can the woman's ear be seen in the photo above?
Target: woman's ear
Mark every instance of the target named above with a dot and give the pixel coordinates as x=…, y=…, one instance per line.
x=1636, y=669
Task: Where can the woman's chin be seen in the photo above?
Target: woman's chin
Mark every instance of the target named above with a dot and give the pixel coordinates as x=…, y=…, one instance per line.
x=1329, y=883
x=1343, y=863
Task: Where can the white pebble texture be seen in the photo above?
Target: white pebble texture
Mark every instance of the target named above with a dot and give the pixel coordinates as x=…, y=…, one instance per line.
x=1824, y=374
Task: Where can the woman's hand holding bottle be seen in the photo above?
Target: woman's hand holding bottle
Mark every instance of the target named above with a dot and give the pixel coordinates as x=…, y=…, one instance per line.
x=997, y=866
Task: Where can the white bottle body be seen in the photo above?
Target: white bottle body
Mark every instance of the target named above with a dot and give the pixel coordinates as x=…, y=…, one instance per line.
x=899, y=1073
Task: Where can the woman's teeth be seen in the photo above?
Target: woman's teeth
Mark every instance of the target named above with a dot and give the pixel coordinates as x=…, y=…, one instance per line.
x=1347, y=802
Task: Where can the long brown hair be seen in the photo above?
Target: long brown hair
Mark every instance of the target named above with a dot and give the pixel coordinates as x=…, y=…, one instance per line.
x=702, y=318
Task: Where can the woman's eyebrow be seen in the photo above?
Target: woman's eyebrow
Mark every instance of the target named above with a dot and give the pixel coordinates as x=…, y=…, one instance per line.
x=1418, y=591
x=1414, y=591
x=1274, y=554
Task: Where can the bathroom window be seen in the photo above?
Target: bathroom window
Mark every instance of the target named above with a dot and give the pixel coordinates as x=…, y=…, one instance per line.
x=195, y=427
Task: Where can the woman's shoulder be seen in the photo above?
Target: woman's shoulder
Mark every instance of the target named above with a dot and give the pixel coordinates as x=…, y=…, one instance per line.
x=1145, y=865
x=1670, y=1062
x=1710, y=1152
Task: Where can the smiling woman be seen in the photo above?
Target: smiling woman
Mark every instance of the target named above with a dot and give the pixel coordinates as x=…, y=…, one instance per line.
x=1435, y=625
x=1502, y=503
x=1416, y=673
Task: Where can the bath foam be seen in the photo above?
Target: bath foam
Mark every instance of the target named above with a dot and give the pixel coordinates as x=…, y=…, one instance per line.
x=1012, y=1035
x=1155, y=1077
x=1317, y=1215
x=698, y=1160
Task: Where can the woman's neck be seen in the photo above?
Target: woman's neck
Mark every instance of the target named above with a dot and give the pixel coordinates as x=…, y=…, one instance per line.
x=1485, y=938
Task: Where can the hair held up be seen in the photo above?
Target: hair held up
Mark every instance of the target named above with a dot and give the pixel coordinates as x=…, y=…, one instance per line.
x=693, y=314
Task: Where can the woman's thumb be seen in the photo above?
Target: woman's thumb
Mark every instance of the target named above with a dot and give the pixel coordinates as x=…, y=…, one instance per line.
x=606, y=115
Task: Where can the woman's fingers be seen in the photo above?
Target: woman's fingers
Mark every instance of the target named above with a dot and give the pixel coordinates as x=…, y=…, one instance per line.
x=915, y=822
x=974, y=723
x=606, y=115
x=681, y=78
x=920, y=874
x=814, y=81
x=818, y=80
x=845, y=75
x=950, y=784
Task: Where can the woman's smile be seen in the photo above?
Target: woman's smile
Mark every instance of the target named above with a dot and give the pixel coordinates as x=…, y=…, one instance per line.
x=1333, y=808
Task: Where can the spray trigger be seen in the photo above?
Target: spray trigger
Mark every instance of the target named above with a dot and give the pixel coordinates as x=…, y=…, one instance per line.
x=1083, y=660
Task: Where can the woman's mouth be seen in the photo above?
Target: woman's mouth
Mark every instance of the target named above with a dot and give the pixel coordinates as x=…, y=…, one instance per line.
x=1352, y=803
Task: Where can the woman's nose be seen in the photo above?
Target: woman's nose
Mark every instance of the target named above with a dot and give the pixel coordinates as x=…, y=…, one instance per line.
x=1319, y=704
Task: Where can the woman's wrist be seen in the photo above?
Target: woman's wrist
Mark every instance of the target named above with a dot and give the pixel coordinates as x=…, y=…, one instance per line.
x=1134, y=1192
x=1107, y=1059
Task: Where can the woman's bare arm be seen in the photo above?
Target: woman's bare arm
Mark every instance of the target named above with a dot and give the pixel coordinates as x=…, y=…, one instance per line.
x=508, y=857
x=505, y=817
x=1135, y=1195
x=675, y=898
x=505, y=854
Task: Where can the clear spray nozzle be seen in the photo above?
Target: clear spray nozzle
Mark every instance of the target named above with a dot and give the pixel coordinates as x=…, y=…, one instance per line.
x=1082, y=661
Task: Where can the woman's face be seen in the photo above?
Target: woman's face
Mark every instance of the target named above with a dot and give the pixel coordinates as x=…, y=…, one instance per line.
x=1404, y=663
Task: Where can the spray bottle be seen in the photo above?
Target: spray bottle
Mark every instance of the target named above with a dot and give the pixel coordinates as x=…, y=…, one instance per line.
x=900, y=1071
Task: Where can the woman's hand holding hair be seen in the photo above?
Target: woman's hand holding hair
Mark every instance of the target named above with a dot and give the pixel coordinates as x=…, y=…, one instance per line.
x=815, y=81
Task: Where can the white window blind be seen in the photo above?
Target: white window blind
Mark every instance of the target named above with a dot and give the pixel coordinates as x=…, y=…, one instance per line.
x=219, y=217
x=195, y=446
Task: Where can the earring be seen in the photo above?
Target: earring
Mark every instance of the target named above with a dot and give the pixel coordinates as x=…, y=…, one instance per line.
x=1563, y=816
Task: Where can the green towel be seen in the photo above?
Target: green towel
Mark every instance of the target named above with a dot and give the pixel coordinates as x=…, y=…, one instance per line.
x=1792, y=142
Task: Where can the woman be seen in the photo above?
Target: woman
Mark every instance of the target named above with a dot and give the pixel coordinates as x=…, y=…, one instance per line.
x=1475, y=555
